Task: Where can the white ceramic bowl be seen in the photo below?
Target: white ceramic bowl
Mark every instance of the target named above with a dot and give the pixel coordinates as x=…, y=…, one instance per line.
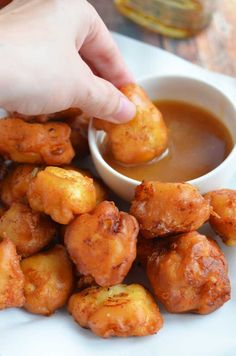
x=183, y=89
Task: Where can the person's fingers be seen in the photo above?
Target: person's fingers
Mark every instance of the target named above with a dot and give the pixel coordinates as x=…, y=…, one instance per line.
x=100, y=51
x=101, y=99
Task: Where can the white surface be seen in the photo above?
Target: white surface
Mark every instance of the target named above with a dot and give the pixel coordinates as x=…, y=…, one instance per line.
x=23, y=334
x=180, y=88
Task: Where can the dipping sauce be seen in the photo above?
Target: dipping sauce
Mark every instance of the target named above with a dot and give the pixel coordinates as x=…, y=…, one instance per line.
x=198, y=143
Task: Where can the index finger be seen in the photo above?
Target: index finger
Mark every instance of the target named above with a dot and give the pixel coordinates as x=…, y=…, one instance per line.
x=101, y=52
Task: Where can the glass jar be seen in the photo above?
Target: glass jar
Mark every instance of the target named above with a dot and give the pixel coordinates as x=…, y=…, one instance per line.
x=174, y=18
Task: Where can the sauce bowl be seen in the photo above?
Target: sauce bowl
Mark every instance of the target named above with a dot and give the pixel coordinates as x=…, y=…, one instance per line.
x=178, y=88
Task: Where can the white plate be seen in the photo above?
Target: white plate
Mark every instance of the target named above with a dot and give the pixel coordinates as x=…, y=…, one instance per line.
x=24, y=334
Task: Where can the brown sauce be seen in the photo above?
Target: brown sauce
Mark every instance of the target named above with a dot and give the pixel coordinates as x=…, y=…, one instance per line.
x=198, y=143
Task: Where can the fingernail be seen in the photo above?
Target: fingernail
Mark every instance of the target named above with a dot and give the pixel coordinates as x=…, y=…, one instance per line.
x=126, y=111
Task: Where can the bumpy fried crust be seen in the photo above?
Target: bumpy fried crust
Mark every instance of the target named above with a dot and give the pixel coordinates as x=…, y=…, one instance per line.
x=168, y=208
x=101, y=190
x=143, y=138
x=11, y=276
x=61, y=193
x=223, y=218
x=189, y=274
x=117, y=311
x=103, y=244
x=48, y=280
x=30, y=231
x=35, y=143
x=16, y=182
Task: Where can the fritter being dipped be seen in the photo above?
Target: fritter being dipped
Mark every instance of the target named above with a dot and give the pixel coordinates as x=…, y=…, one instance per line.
x=16, y=182
x=61, y=193
x=143, y=138
x=223, y=218
x=120, y=310
x=48, y=280
x=25, y=142
x=11, y=276
x=189, y=273
x=164, y=209
x=30, y=231
x=103, y=243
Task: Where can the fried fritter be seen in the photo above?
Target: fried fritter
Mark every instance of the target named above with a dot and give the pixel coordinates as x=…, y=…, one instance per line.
x=143, y=138
x=30, y=231
x=189, y=273
x=223, y=218
x=61, y=193
x=168, y=208
x=16, y=182
x=103, y=243
x=11, y=276
x=48, y=280
x=117, y=311
x=101, y=190
x=35, y=143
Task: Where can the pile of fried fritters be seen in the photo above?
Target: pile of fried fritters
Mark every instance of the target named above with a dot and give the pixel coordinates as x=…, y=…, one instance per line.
x=63, y=243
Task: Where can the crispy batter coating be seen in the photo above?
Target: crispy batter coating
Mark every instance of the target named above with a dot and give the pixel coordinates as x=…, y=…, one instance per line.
x=189, y=274
x=103, y=243
x=168, y=208
x=223, y=218
x=102, y=191
x=30, y=231
x=11, y=276
x=117, y=311
x=48, y=280
x=24, y=142
x=143, y=138
x=16, y=182
x=61, y=193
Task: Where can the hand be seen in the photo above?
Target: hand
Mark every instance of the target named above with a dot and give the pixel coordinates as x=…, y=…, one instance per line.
x=56, y=54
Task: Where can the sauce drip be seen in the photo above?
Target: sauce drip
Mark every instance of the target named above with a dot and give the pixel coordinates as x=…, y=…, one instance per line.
x=198, y=143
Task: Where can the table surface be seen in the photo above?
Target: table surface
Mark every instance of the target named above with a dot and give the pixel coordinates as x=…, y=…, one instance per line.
x=214, y=48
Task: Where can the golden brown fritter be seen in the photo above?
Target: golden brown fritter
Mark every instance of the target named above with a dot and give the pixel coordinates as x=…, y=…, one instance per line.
x=61, y=193
x=11, y=276
x=16, y=182
x=223, y=218
x=24, y=142
x=189, y=273
x=168, y=208
x=143, y=138
x=30, y=231
x=48, y=280
x=102, y=191
x=117, y=311
x=103, y=243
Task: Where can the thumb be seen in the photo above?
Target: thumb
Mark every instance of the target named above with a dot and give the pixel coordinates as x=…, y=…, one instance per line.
x=100, y=99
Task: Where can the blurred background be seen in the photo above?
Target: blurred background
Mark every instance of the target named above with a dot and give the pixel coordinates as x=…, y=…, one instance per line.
x=213, y=48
